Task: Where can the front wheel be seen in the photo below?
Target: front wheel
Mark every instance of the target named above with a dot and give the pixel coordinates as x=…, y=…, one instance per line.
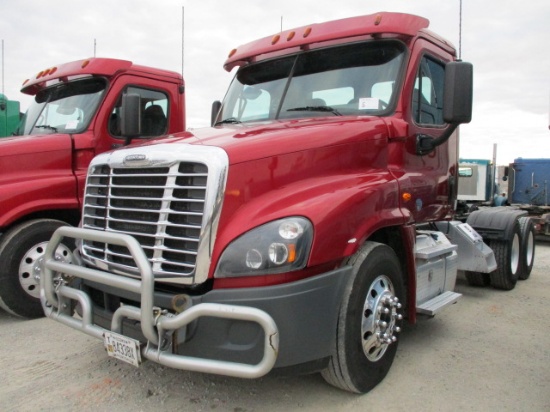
x=369, y=321
x=22, y=251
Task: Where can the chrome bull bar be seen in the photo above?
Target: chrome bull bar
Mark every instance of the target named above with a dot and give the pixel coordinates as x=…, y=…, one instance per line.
x=54, y=295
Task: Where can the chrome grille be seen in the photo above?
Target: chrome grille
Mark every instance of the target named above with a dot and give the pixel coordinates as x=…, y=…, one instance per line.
x=162, y=207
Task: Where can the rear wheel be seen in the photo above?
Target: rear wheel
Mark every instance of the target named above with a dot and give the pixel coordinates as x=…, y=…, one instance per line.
x=21, y=254
x=477, y=278
x=369, y=321
x=508, y=257
x=527, y=229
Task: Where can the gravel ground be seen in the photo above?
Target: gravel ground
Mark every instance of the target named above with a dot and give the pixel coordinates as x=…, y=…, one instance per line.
x=489, y=352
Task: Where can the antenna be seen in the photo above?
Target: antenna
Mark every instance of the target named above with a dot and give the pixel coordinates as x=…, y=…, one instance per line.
x=281, y=24
x=182, y=36
x=94, y=47
x=2, y=66
x=460, y=32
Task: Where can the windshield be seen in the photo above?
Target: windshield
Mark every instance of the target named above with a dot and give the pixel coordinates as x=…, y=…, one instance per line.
x=64, y=108
x=357, y=79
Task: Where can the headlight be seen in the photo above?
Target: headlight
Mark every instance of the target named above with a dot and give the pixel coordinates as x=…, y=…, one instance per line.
x=276, y=247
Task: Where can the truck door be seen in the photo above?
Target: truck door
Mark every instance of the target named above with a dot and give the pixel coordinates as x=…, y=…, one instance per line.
x=431, y=178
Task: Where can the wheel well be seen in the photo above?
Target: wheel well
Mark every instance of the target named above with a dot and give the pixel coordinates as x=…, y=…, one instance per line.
x=70, y=216
x=393, y=237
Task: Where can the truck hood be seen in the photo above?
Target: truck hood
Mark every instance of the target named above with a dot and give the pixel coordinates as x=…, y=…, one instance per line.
x=32, y=144
x=244, y=142
x=29, y=157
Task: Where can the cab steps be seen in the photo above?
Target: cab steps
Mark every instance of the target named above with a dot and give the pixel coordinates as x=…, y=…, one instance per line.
x=433, y=306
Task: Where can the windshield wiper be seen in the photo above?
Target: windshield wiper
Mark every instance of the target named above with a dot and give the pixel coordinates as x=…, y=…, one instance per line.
x=230, y=120
x=46, y=126
x=315, y=109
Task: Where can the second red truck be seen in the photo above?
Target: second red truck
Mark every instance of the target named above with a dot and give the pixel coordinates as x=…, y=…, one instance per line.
x=75, y=115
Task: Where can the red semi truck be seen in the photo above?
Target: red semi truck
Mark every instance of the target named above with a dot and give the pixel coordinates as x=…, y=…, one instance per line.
x=300, y=230
x=75, y=115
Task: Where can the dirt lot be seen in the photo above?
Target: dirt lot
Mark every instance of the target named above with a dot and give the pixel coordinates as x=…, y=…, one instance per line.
x=489, y=352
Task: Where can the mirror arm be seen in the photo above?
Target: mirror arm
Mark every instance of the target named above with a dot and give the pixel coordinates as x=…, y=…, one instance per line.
x=425, y=144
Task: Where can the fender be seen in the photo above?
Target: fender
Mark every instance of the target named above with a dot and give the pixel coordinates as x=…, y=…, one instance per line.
x=495, y=223
x=345, y=207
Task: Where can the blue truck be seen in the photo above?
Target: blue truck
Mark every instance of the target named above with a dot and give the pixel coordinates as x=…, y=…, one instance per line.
x=528, y=181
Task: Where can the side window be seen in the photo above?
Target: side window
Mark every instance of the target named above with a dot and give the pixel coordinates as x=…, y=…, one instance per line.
x=427, y=101
x=154, y=110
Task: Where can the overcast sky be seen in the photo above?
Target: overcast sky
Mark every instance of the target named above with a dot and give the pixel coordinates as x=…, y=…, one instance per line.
x=506, y=40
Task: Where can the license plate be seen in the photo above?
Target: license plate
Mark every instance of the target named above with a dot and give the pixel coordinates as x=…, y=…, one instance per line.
x=123, y=348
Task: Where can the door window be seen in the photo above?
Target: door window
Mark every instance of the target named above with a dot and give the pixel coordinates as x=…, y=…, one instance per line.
x=154, y=112
x=427, y=101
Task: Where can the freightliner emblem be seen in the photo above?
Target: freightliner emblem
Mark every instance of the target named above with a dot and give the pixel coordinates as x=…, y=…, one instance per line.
x=135, y=158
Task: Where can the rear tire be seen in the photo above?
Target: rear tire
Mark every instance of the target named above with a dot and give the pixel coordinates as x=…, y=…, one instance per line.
x=369, y=320
x=21, y=254
x=508, y=258
x=477, y=278
x=527, y=229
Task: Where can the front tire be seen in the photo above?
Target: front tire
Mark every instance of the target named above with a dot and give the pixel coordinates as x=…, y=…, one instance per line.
x=369, y=321
x=21, y=254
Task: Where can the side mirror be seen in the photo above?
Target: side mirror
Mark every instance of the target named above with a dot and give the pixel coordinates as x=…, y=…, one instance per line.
x=216, y=106
x=457, y=104
x=458, y=94
x=506, y=173
x=130, y=120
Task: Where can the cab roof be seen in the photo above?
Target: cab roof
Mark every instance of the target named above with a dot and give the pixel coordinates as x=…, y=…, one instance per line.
x=374, y=24
x=95, y=66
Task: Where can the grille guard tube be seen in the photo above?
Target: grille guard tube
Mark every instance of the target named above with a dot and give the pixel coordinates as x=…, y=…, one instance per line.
x=54, y=301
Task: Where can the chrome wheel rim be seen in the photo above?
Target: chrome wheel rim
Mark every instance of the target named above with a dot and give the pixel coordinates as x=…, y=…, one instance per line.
x=379, y=318
x=30, y=268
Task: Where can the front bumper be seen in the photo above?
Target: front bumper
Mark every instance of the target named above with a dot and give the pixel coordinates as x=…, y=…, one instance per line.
x=234, y=332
